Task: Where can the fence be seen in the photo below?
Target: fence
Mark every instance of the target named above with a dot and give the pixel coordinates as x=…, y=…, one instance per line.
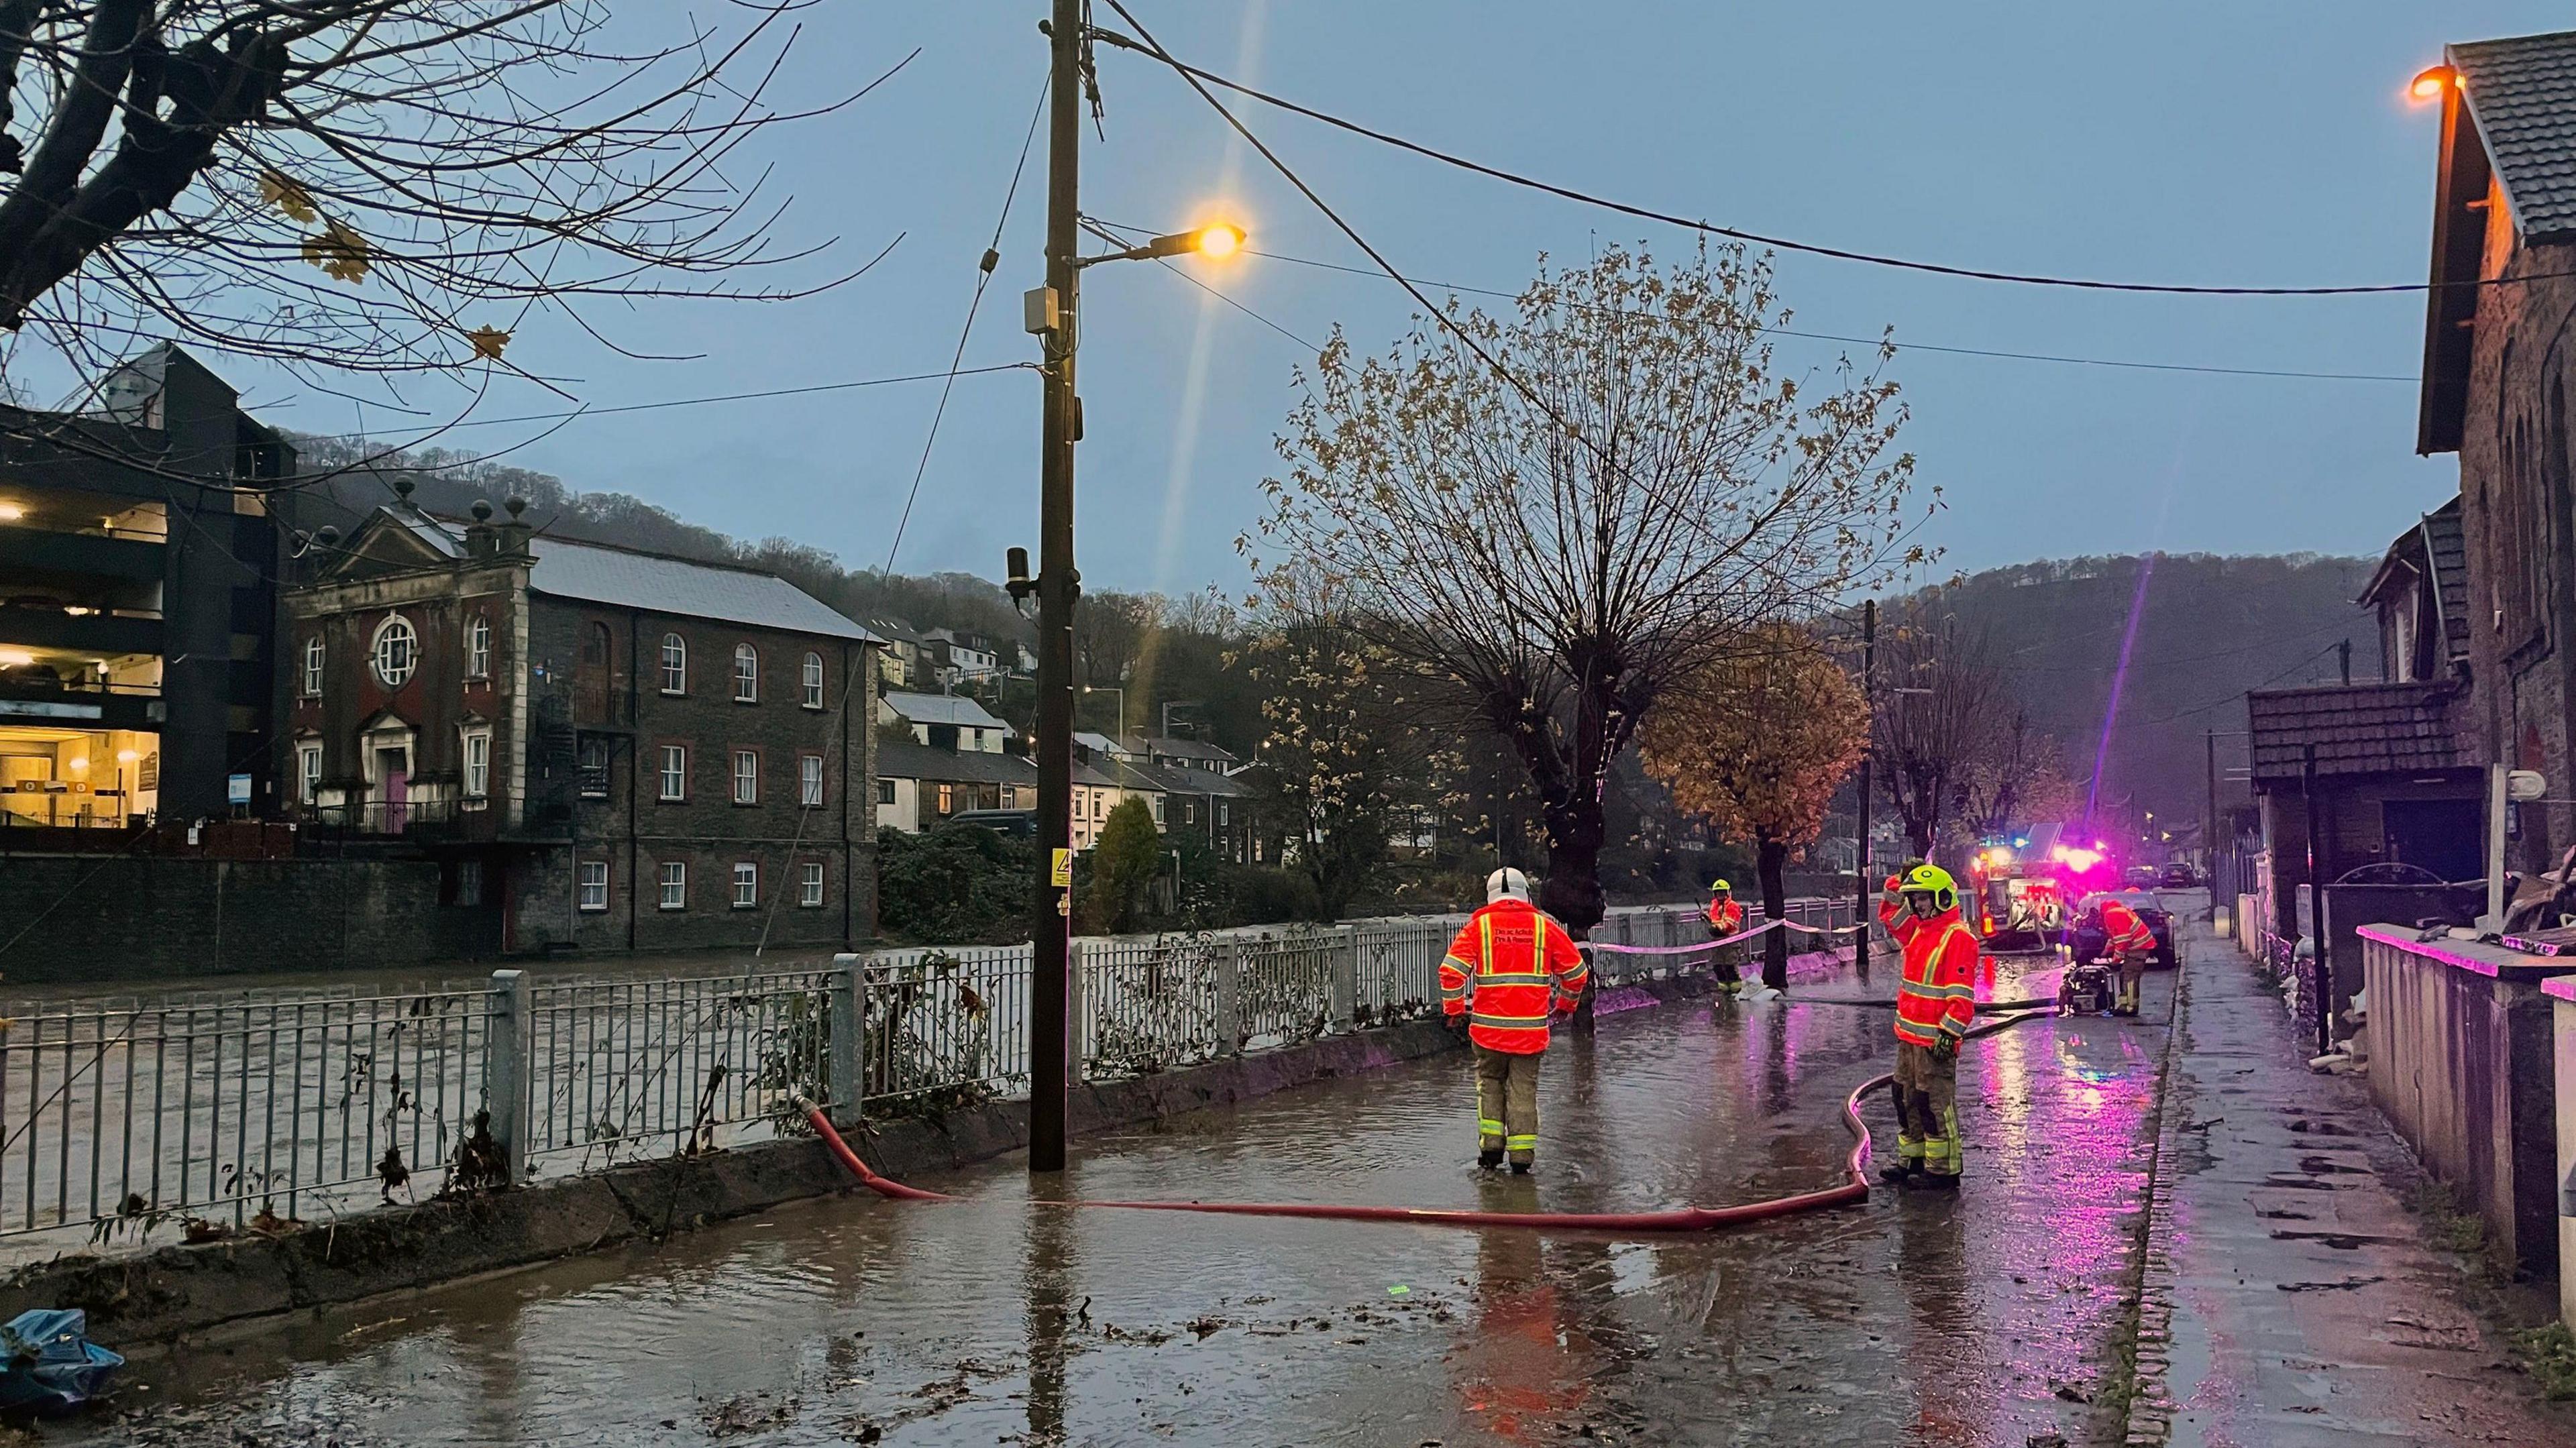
x=230, y=1111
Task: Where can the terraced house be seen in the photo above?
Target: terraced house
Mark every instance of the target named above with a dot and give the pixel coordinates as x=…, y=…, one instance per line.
x=616, y=750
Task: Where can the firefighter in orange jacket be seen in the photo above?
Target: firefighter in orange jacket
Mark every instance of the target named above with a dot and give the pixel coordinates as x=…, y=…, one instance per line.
x=1726, y=917
x=1935, y=1001
x=1507, y=972
x=2130, y=943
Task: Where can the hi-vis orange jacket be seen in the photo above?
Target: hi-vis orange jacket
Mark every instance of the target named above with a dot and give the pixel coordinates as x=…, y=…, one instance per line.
x=2123, y=932
x=1935, y=999
x=1725, y=919
x=1507, y=971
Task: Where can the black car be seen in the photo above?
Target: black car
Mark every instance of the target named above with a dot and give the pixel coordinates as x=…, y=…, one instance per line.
x=2180, y=876
x=2090, y=941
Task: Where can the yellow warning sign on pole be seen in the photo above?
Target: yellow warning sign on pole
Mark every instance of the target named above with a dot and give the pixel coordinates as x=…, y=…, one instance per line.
x=1064, y=869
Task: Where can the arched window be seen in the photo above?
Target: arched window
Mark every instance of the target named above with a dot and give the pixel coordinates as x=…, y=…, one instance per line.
x=746, y=674
x=478, y=648
x=813, y=681
x=594, y=645
x=675, y=664
x=313, y=667
x=395, y=652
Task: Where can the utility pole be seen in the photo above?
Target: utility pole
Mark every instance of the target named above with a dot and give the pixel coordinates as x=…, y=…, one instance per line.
x=2209, y=824
x=2316, y=921
x=2343, y=661
x=1058, y=587
x=1860, y=857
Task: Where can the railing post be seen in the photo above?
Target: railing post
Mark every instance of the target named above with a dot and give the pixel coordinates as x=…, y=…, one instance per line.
x=1077, y=1007
x=1229, y=994
x=1346, y=978
x=847, y=1027
x=505, y=1070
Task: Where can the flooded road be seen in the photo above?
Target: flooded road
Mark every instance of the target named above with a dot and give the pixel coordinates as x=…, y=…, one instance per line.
x=1001, y=1321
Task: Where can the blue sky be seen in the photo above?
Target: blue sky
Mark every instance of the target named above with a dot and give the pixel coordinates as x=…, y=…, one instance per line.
x=2263, y=143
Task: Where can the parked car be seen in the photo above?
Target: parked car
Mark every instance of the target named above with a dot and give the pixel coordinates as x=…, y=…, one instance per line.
x=2180, y=876
x=2139, y=877
x=2089, y=941
x=1009, y=823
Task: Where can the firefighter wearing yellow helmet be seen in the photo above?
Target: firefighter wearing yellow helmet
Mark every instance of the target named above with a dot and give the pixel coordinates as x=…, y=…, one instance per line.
x=1725, y=918
x=1935, y=1001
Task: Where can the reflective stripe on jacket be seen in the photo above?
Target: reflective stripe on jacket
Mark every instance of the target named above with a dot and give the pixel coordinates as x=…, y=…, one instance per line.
x=2123, y=933
x=1510, y=969
x=1725, y=919
x=1936, y=998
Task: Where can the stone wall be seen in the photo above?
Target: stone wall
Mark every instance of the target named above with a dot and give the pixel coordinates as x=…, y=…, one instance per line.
x=88, y=918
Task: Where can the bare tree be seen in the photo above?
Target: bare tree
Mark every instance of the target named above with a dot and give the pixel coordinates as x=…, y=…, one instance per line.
x=374, y=186
x=2014, y=772
x=1937, y=693
x=1570, y=507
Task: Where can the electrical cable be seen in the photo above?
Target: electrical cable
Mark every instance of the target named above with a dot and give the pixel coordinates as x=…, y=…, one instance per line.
x=983, y=277
x=1903, y=346
x=2220, y=703
x=1153, y=50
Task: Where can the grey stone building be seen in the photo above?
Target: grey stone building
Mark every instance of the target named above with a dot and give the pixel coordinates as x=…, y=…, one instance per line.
x=615, y=750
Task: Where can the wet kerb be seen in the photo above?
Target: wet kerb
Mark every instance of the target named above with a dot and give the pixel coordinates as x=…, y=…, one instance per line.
x=1983, y=1317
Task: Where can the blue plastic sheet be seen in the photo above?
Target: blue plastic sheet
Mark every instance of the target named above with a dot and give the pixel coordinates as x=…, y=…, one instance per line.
x=51, y=1363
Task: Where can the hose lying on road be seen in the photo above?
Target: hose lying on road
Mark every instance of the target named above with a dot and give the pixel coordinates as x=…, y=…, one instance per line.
x=1854, y=1189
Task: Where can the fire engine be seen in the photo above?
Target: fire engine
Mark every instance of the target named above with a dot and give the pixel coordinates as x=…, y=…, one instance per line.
x=2023, y=894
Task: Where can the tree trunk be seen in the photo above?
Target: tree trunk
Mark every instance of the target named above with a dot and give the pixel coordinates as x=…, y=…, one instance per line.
x=1771, y=860
x=1572, y=890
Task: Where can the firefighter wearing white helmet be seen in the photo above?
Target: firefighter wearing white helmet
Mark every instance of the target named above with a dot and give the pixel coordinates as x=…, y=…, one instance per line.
x=1508, y=972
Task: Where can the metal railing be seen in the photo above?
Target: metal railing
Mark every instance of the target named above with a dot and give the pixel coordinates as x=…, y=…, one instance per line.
x=203, y=1114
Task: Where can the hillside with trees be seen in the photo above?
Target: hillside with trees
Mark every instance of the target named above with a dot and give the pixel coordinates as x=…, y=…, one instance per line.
x=2054, y=633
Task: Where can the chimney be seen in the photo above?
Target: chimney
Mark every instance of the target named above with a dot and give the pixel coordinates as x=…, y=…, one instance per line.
x=481, y=541
x=513, y=535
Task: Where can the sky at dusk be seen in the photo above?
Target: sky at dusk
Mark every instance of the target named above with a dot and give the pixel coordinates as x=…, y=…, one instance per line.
x=2194, y=141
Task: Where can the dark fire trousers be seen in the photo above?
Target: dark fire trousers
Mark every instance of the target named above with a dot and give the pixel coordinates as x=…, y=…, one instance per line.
x=1507, y=1101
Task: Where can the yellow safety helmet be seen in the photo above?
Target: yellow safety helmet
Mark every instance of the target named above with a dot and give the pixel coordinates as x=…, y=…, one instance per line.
x=1934, y=881
x=1720, y=887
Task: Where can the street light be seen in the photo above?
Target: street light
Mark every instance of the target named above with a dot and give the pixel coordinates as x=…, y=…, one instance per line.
x=1053, y=313
x=2429, y=85
x=1122, y=707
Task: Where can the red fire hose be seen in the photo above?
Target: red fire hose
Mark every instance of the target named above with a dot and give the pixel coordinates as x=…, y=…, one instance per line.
x=1855, y=1188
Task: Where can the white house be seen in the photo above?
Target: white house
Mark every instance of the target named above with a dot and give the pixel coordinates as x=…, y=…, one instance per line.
x=945, y=721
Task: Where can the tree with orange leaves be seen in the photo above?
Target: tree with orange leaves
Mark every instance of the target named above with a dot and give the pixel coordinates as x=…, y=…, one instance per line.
x=1756, y=746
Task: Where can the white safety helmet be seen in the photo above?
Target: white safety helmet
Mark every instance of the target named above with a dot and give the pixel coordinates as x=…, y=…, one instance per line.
x=1504, y=883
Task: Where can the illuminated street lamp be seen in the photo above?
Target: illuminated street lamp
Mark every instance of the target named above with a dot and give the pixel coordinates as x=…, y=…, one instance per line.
x=2430, y=85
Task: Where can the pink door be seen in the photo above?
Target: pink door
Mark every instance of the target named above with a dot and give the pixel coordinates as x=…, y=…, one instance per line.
x=393, y=788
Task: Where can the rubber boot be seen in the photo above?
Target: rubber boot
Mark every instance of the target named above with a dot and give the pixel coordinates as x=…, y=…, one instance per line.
x=1490, y=1157
x=1521, y=1161
x=1899, y=1172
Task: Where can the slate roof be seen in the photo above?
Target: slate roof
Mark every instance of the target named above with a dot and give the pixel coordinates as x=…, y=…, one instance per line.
x=942, y=709
x=2436, y=544
x=951, y=766
x=2357, y=729
x=2449, y=550
x=2522, y=93
x=625, y=579
x=1192, y=781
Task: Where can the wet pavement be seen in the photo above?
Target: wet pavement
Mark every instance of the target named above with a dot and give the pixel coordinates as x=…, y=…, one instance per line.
x=2291, y=1296
x=1991, y=1317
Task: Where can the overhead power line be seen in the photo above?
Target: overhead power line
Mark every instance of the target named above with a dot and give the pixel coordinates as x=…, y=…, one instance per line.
x=1901, y=345
x=1153, y=51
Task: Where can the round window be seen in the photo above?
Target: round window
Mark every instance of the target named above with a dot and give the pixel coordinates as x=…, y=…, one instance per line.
x=396, y=651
